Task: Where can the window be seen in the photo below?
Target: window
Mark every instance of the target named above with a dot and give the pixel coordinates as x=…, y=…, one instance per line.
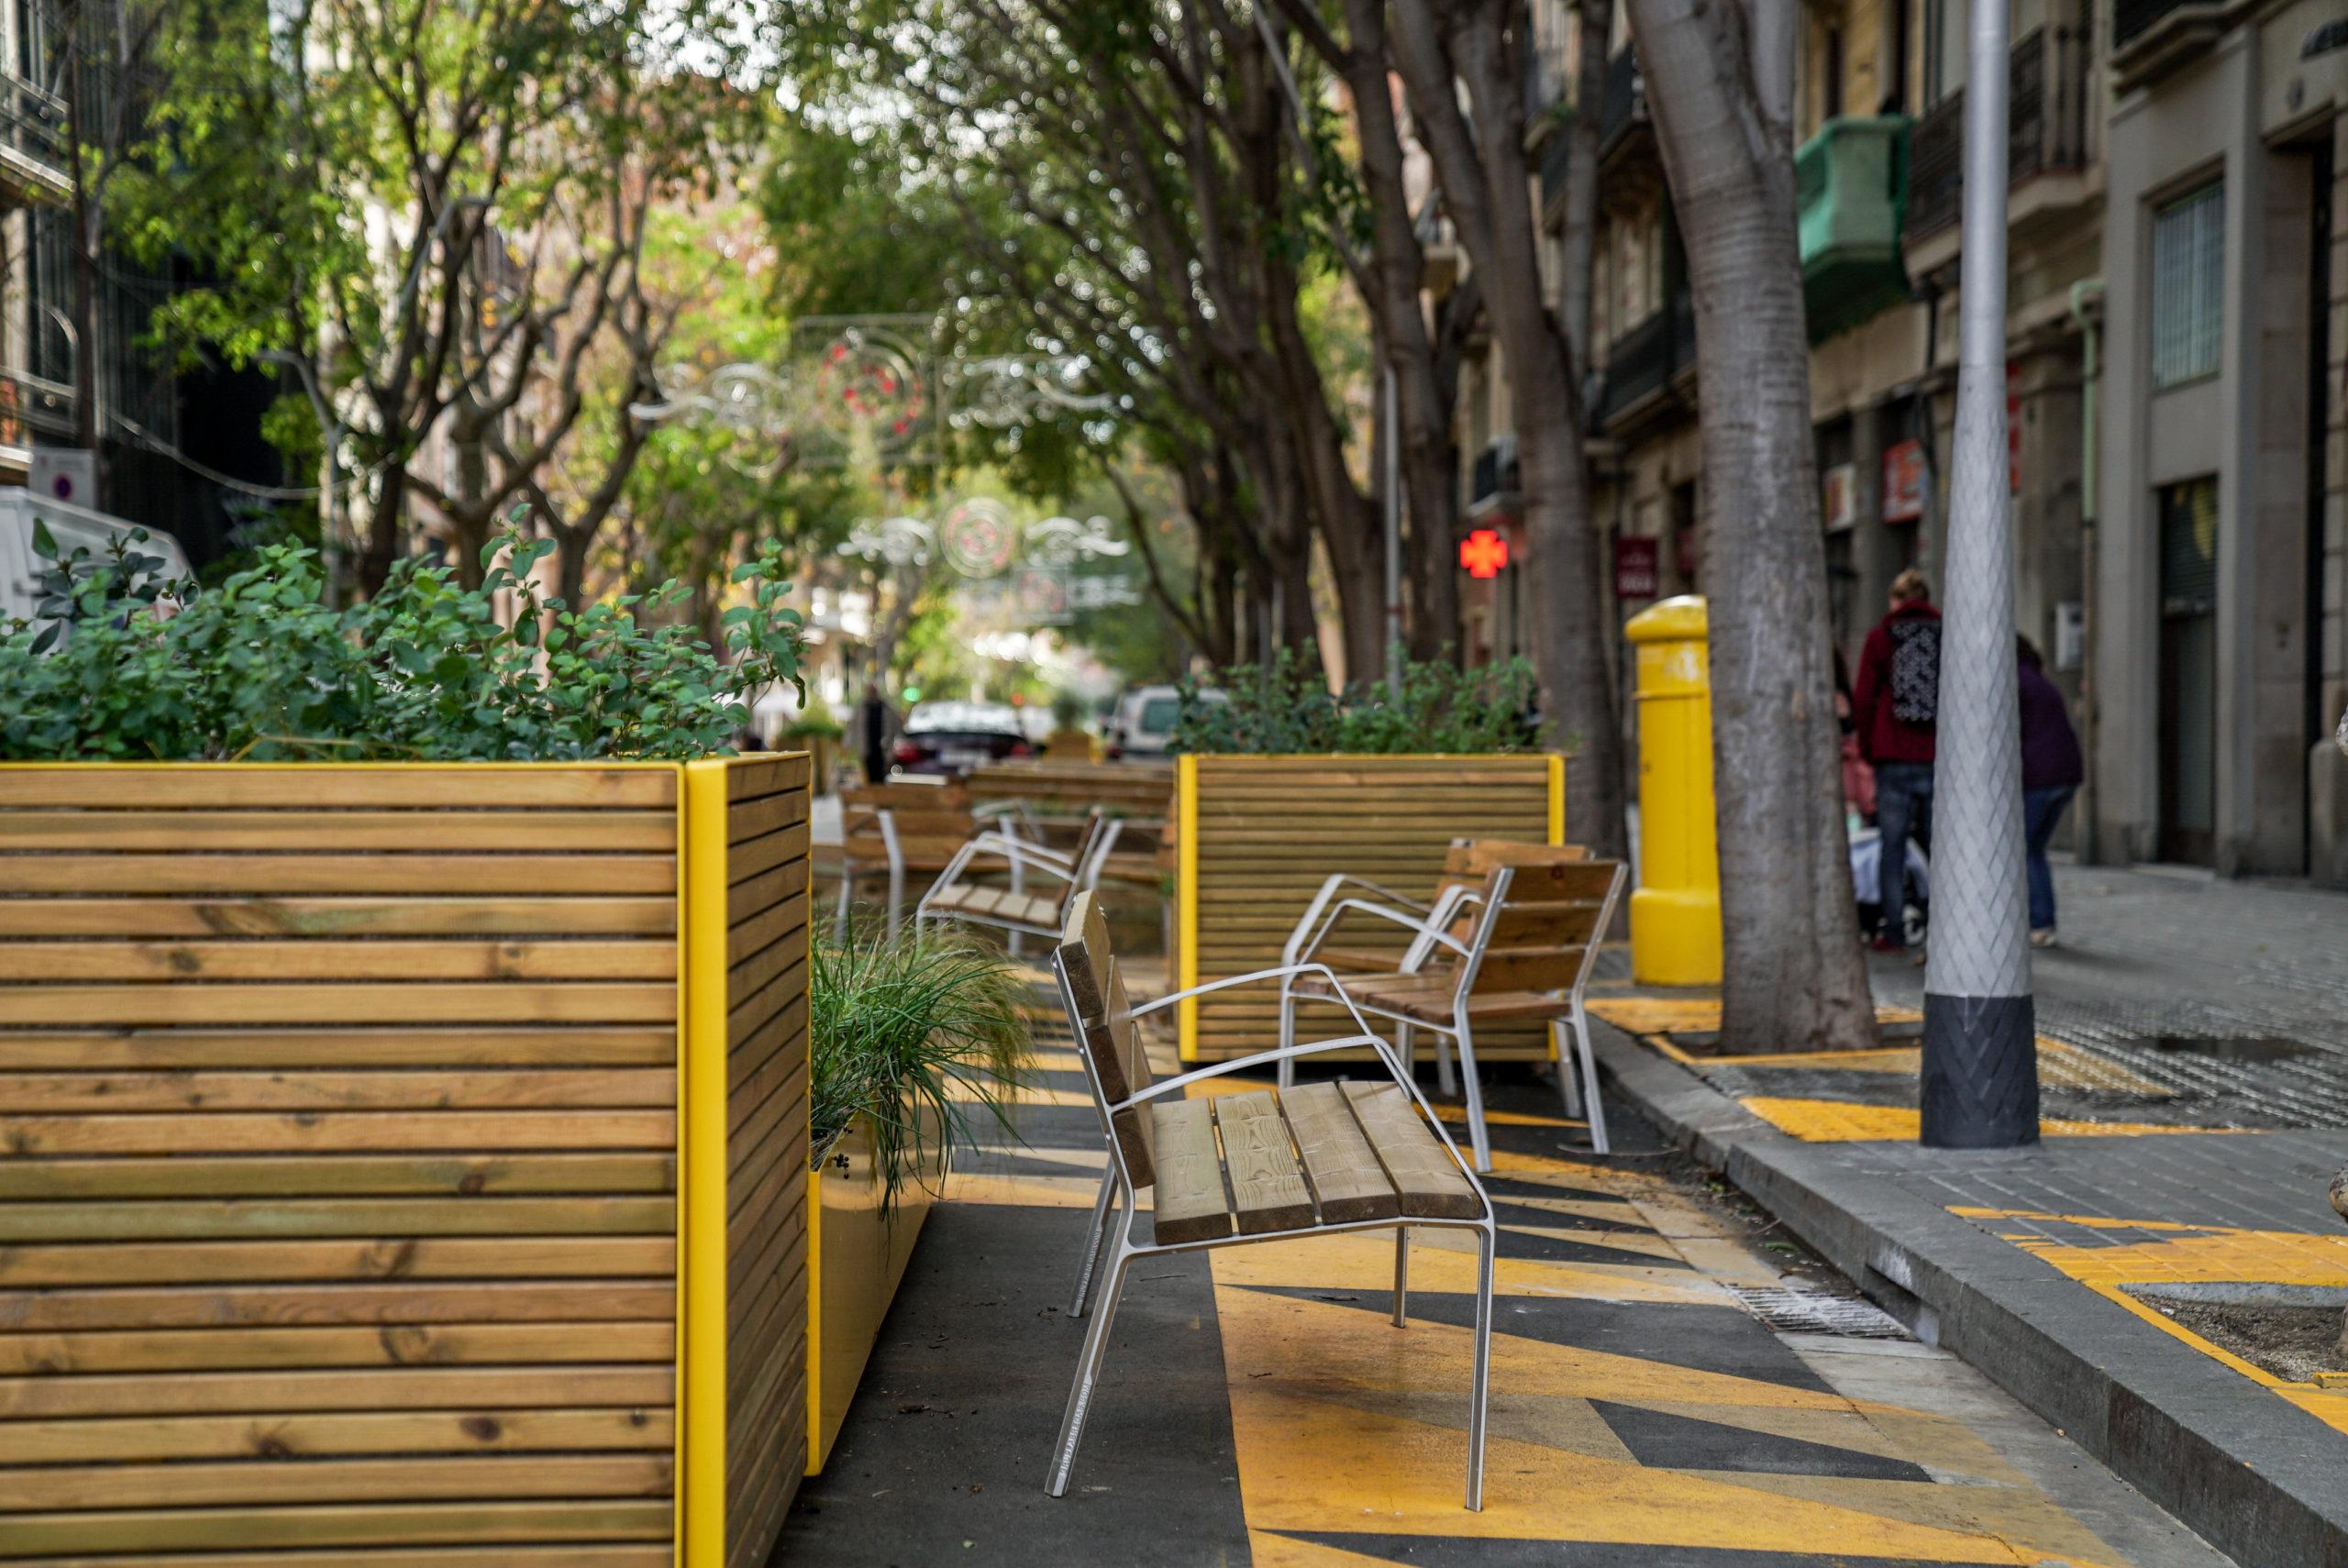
x=2189, y=277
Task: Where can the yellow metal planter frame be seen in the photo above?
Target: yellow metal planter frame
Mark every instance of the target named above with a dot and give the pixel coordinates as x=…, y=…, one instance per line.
x=1187, y=837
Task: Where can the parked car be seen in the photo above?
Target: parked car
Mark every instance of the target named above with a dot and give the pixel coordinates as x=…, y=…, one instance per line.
x=70, y=526
x=953, y=738
x=1143, y=724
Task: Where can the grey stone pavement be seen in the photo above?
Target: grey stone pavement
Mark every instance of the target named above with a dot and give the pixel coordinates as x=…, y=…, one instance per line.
x=2210, y=1022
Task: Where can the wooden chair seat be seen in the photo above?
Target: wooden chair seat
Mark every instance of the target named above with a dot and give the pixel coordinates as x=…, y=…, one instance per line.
x=1002, y=903
x=1362, y=1153
x=1429, y=1000
x=1367, y=960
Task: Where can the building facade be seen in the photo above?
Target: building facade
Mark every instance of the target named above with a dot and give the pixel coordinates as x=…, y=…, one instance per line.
x=2178, y=355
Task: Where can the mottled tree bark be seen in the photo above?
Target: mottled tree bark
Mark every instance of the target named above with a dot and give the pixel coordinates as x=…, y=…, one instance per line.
x=1479, y=161
x=1718, y=78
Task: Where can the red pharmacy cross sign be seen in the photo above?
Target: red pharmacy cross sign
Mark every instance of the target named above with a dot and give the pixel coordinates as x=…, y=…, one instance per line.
x=1483, y=553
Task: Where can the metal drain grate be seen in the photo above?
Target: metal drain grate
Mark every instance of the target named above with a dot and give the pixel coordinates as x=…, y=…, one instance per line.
x=1795, y=1311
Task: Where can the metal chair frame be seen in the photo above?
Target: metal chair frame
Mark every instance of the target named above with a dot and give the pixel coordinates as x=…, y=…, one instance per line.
x=893, y=862
x=1433, y=937
x=1117, y=1193
x=1023, y=857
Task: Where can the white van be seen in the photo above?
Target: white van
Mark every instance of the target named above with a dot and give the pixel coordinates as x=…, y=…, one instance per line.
x=71, y=526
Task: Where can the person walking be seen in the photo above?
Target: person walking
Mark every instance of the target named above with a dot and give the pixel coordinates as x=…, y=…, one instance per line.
x=2051, y=772
x=1896, y=709
x=875, y=721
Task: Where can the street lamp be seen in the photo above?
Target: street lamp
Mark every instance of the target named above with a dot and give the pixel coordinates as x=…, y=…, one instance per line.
x=1980, y=1074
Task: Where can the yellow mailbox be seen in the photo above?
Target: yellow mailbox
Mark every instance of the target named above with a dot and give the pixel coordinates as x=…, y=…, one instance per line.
x=1676, y=913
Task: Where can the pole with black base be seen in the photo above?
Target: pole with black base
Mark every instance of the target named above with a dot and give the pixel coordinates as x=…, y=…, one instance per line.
x=1980, y=1079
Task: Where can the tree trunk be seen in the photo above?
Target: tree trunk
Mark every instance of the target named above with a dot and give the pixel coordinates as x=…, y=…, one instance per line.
x=1488, y=188
x=1594, y=24
x=1793, y=977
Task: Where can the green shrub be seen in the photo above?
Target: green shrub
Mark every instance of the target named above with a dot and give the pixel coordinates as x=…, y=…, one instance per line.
x=895, y=1026
x=260, y=668
x=1285, y=708
x=815, y=718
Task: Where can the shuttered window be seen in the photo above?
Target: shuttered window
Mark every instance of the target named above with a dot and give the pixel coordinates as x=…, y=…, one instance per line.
x=2189, y=277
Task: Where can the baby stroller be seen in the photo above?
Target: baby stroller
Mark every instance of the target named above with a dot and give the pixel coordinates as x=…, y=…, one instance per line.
x=1867, y=847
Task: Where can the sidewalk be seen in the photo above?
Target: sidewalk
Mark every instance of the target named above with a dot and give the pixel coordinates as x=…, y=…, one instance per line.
x=2154, y=1277
x=1673, y=1386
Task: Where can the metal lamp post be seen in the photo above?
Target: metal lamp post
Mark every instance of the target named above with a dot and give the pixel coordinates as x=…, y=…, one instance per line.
x=1980, y=1077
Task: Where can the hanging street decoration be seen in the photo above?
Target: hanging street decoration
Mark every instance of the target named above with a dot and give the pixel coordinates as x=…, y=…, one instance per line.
x=978, y=537
x=1006, y=390
x=1061, y=541
x=900, y=541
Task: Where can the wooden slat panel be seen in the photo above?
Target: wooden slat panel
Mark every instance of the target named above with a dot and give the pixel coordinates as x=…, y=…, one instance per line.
x=444, y=787
x=333, y=1140
x=1423, y=1175
x=316, y=1132
x=768, y=917
x=392, y=1045
x=330, y=960
x=213, y=1349
x=1339, y=1164
x=410, y=1257
x=48, y=1093
x=1267, y=1191
x=212, y=831
x=1189, y=1205
x=1268, y=829
x=420, y=872
x=402, y=1388
x=577, y=1002
x=141, y=1528
x=485, y=916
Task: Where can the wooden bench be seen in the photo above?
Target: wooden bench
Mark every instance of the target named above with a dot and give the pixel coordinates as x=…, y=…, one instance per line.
x=1137, y=797
x=895, y=829
x=1014, y=909
x=1308, y=1159
x=1517, y=948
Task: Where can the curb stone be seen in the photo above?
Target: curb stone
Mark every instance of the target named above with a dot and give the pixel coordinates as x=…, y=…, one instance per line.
x=2256, y=1476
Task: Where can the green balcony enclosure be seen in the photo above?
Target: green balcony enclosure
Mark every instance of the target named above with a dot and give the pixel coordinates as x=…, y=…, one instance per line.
x=1851, y=187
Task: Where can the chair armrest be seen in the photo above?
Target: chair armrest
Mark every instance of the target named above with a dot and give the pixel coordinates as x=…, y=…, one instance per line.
x=1050, y=861
x=1262, y=1058
x=1426, y=929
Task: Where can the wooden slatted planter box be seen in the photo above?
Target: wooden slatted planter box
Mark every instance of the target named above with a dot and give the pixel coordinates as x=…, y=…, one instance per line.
x=403, y=1162
x=1257, y=836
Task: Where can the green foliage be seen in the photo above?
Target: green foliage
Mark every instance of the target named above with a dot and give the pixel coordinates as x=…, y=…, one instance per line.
x=815, y=718
x=260, y=667
x=1284, y=708
x=896, y=1027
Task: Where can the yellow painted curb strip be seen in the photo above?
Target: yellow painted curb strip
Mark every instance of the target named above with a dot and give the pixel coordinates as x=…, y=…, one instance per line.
x=1186, y=897
x=701, y=1168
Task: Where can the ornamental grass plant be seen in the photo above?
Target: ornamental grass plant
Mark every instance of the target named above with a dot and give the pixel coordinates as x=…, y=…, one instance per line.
x=900, y=1030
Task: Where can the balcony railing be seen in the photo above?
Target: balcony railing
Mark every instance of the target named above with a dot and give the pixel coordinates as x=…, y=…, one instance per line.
x=1625, y=104
x=1642, y=362
x=1850, y=184
x=32, y=137
x=2047, y=129
x=1494, y=474
x=2132, y=19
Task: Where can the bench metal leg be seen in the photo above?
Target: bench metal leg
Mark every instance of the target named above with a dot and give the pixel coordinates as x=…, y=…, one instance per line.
x=1479, y=1388
x=1402, y=1270
x=1088, y=1372
x=1406, y=1047
x=1479, y=1142
x=1561, y=1043
x=1445, y=1083
x=1096, y=1238
x=1589, y=1080
x=1288, y=1033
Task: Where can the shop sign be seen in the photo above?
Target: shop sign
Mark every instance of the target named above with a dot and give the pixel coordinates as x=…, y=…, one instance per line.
x=1838, y=495
x=1903, y=481
x=1637, y=567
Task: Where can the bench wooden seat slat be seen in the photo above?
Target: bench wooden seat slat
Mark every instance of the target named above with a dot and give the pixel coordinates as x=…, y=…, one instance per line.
x=1424, y=1177
x=1268, y=1190
x=1340, y=1166
x=1190, y=1205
